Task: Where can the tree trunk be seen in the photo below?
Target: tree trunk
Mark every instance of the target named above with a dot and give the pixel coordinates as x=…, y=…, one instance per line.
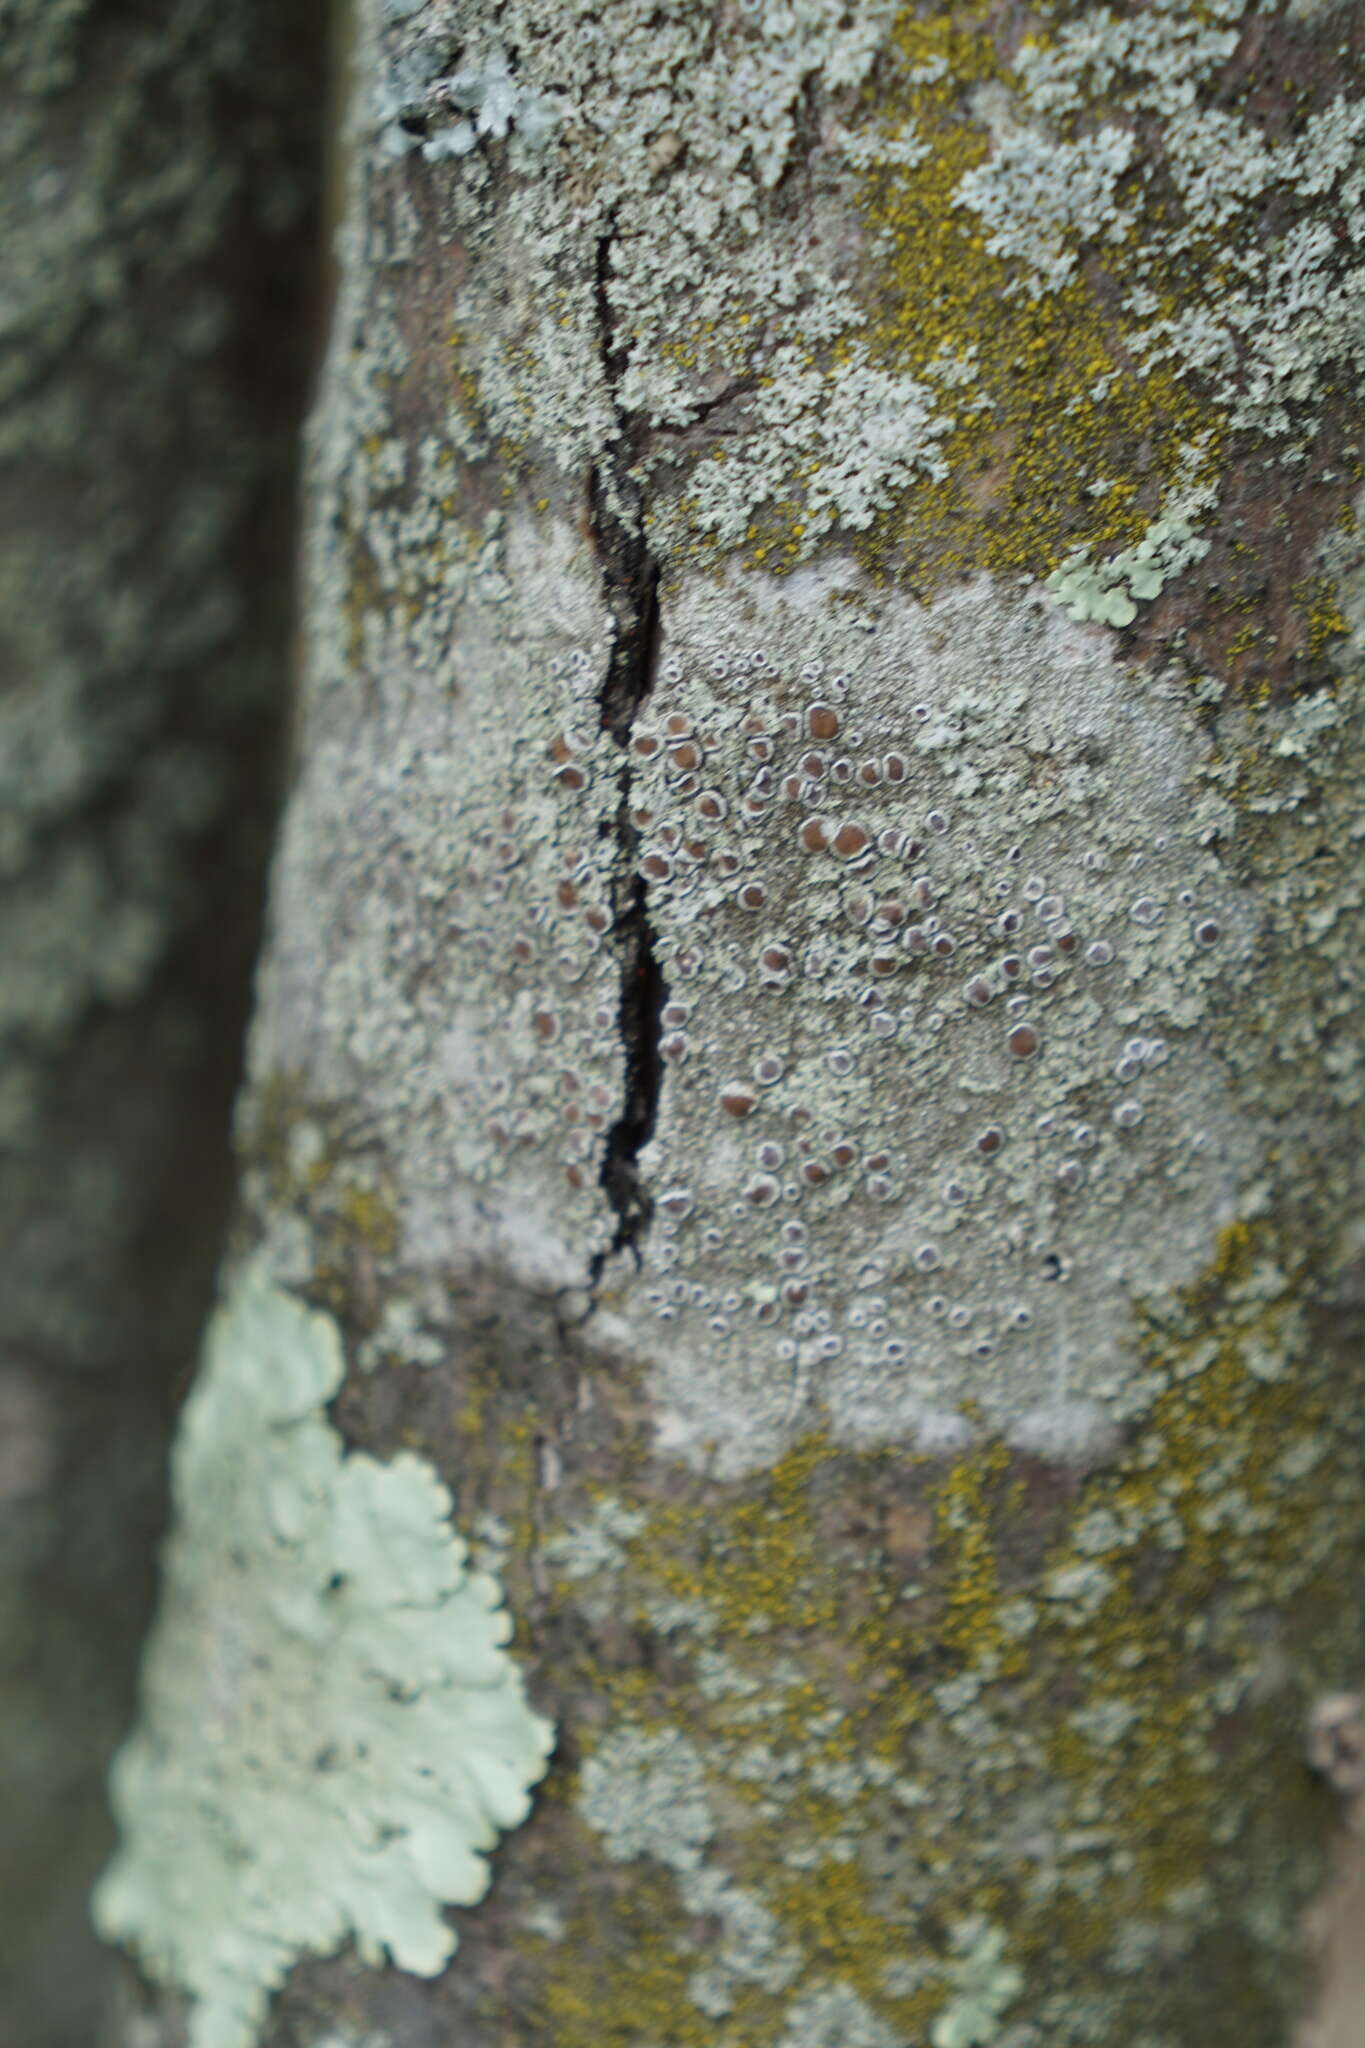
x=156, y=186
x=805, y=1061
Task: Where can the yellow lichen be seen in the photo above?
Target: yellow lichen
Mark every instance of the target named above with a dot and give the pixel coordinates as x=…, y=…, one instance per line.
x=1321, y=611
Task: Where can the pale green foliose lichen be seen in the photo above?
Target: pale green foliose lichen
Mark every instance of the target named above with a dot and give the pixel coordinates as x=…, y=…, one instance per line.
x=985, y=1985
x=1107, y=592
x=332, y=1733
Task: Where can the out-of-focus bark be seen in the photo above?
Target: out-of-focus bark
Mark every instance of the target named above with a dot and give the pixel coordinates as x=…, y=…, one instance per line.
x=157, y=220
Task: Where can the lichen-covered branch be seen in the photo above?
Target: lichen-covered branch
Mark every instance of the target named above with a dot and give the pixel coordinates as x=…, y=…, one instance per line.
x=808, y=1037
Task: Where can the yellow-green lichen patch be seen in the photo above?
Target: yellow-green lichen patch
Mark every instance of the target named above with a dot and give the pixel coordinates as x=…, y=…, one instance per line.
x=1057, y=445
x=986, y=1744
x=1231, y=1512
x=641, y=1995
x=1324, y=619
x=972, y=1596
x=1119, y=267
x=324, y=1198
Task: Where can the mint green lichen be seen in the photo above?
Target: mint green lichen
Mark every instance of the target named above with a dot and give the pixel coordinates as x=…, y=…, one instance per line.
x=1108, y=592
x=332, y=1734
x=985, y=1986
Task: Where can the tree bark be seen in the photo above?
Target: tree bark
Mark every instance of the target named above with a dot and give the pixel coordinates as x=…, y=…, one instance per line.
x=806, y=1048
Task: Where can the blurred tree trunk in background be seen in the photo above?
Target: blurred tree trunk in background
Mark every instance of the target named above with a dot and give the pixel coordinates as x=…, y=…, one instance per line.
x=808, y=1055
x=158, y=227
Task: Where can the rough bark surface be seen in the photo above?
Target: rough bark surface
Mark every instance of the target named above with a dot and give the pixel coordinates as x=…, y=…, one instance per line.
x=807, y=1040
x=155, y=184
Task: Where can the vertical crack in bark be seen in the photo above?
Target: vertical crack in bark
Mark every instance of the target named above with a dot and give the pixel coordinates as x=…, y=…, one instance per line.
x=630, y=586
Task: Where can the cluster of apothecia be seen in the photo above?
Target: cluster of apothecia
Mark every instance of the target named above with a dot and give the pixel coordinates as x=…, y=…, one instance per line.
x=929, y=992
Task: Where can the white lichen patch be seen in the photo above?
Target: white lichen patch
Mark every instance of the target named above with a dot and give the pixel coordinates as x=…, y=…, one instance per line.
x=332, y=1733
x=858, y=439
x=1042, y=200
x=402, y=1335
x=596, y=1544
x=444, y=904
x=944, y=934
x=752, y=1947
x=644, y=1792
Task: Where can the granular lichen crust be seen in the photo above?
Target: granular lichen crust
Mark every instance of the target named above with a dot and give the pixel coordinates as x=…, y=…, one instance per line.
x=332, y=1733
x=472, y=865
x=945, y=931
x=943, y=912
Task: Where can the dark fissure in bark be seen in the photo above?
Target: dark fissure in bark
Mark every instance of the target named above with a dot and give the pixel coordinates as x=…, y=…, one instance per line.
x=630, y=584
